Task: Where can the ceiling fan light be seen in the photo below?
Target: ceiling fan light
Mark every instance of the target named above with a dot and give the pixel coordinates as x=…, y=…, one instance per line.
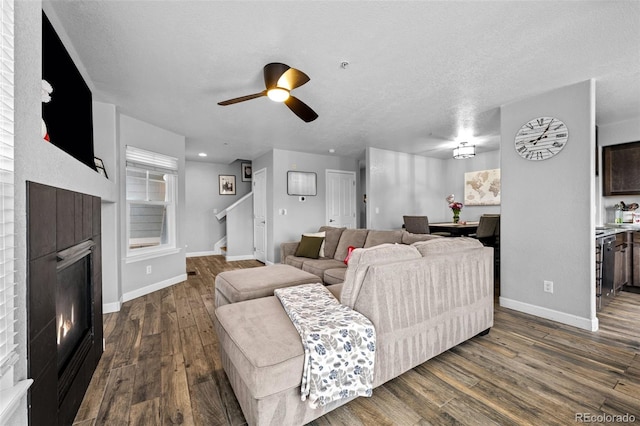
x=278, y=95
x=463, y=151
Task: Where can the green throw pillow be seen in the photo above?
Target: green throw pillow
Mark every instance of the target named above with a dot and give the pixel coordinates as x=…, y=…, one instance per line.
x=309, y=247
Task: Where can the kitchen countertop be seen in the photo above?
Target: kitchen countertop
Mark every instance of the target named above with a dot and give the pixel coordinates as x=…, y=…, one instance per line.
x=614, y=228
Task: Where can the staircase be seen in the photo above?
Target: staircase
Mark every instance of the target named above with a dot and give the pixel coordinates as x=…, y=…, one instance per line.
x=238, y=242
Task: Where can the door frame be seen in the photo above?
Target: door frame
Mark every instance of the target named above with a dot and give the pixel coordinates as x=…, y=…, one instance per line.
x=264, y=197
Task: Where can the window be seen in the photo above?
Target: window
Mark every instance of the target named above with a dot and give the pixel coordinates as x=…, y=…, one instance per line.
x=12, y=391
x=151, y=201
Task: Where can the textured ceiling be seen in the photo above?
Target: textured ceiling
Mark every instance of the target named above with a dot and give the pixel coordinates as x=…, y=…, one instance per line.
x=421, y=75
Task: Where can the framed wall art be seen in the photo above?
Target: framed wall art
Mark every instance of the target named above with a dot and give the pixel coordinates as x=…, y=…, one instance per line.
x=246, y=172
x=482, y=188
x=301, y=183
x=227, y=184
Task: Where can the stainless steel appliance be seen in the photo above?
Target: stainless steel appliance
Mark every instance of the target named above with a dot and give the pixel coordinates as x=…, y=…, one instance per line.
x=605, y=264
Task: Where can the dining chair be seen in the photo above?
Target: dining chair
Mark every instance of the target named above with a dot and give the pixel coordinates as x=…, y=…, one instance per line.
x=416, y=224
x=488, y=229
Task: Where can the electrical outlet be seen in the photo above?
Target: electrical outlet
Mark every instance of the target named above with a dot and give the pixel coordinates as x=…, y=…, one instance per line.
x=548, y=286
x=148, y=269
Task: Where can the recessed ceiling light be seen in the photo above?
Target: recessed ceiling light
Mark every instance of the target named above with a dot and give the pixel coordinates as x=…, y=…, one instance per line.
x=202, y=154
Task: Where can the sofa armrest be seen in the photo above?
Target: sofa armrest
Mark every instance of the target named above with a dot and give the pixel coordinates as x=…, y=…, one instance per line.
x=288, y=249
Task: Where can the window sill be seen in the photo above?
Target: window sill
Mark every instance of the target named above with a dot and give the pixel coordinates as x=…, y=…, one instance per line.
x=132, y=258
x=11, y=397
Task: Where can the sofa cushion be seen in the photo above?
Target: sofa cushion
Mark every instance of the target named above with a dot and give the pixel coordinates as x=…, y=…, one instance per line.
x=375, y=238
x=335, y=289
x=309, y=247
x=409, y=238
x=362, y=258
x=350, y=237
x=318, y=234
x=334, y=276
x=252, y=283
x=295, y=261
x=446, y=245
x=331, y=239
x=318, y=266
x=247, y=332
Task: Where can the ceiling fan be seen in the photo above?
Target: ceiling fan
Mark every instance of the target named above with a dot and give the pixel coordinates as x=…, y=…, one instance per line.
x=280, y=80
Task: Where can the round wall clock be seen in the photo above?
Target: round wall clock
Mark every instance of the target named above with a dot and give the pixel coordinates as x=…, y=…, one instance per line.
x=541, y=138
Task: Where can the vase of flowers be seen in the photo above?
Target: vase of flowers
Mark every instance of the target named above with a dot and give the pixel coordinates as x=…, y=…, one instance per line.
x=455, y=207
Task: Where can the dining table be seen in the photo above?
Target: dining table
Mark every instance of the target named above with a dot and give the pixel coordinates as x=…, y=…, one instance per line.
x=459, y=229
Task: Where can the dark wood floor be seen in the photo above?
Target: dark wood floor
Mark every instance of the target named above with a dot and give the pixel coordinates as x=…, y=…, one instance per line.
x=161, y=366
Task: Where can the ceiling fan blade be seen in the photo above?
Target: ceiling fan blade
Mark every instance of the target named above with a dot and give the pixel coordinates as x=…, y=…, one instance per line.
x=243, y=98
x=273, y=72
x=292, y=78
x=301, y=109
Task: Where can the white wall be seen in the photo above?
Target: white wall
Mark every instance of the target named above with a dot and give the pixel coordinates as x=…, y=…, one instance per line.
x=613, y=134
x=105, y=143
x=240, y=231
x=405, y=184
x=455, y=170
x=202, y=228
x=548, y=213
x=39, y=161
x=166, y=269
x=301, y=217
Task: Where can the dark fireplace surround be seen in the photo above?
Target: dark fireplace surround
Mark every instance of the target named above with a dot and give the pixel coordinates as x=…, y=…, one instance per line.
x=64, y=293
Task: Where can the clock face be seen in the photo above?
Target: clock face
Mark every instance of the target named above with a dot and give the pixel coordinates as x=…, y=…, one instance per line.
x=541, y=138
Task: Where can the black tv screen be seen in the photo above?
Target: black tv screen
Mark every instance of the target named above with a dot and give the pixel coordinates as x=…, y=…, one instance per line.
x=68, y=115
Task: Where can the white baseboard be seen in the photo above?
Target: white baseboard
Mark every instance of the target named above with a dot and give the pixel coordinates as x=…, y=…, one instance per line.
x=108, y=308
x=550, y=314
x=153, y=287
x=203, y=253
x=217, y=247
x=243, y=257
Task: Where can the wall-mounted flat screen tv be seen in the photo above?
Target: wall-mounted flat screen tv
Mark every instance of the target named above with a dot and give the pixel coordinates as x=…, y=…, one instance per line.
x=68, y=115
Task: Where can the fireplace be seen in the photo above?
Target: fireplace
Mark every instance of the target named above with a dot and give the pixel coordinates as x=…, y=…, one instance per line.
x=72, y=314
x=64, y=300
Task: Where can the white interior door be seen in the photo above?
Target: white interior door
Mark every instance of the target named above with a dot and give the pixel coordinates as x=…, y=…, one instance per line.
x=260, y=214
x=341, y=198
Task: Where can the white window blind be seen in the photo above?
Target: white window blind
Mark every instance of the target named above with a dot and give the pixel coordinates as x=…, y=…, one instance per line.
x=7, y=282
x=151, y=203
x=151, y=160
x=10, y=392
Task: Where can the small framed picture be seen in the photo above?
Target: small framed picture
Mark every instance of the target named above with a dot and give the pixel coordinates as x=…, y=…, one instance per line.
x=100, y=167
x=246, y=172
x=227, y=184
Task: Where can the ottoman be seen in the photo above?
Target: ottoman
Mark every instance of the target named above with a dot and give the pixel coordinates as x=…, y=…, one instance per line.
x=252, y=283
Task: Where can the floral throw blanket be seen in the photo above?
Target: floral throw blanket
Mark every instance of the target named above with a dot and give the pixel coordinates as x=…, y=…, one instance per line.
x=339, y=344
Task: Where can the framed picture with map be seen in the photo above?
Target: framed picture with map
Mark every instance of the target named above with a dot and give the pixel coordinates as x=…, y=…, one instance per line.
x=482, y=188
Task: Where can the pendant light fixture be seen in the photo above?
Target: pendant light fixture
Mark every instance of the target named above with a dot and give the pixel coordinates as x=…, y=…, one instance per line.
x=463, y=151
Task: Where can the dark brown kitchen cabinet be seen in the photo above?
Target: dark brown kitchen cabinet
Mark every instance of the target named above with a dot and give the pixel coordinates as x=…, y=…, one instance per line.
x=636, y=258
x=622, y=268
x=621, y=174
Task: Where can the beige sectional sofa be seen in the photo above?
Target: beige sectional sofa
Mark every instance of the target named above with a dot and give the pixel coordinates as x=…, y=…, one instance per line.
x=423, y=299
x=331, y=268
